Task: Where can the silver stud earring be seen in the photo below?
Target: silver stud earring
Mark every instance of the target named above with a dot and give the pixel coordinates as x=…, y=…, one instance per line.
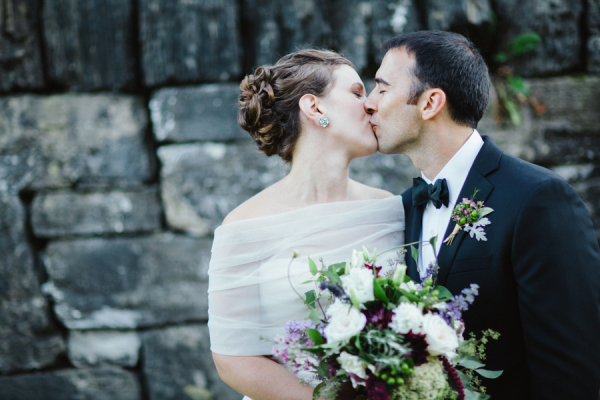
x=324, y=121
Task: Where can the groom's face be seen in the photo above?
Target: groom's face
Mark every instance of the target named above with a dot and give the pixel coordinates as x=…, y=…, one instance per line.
x=397, y=124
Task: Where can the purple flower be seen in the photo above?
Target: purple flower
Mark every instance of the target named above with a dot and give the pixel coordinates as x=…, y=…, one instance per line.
x=336, y=289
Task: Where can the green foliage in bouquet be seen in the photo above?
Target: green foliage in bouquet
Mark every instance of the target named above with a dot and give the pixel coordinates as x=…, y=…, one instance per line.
x=383, y=336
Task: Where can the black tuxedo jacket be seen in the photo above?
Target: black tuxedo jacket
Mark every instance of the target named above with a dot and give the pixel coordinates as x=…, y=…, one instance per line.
x=539, y=278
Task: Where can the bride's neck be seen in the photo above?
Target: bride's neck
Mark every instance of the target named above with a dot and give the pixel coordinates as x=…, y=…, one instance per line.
x=319, y=174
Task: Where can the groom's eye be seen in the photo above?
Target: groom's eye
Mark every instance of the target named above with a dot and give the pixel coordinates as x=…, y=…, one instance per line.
x=381, y=91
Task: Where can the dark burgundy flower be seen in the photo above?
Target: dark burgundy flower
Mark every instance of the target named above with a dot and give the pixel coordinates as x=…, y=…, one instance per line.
x=379, y=316
x=374, y=268
x=376, y=389
x=418, y=346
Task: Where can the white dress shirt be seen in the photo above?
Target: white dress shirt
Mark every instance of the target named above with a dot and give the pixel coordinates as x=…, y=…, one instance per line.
x=435, y=221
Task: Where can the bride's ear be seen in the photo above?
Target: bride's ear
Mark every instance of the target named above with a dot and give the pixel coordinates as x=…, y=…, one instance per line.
x=431, y=102
x=309, y=107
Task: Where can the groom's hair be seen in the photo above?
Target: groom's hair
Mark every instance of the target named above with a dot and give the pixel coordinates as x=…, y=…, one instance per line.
x=448, y=61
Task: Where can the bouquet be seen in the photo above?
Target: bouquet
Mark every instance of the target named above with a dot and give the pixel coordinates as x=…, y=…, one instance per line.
x=379, y=337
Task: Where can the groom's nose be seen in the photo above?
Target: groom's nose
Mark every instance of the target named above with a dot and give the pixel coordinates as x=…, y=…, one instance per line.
x=370, y=106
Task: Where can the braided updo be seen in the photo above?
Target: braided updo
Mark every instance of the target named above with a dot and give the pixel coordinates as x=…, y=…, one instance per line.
x=269, y=99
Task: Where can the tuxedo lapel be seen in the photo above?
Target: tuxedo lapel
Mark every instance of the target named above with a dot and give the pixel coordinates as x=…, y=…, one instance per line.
x=414, y=220
x=486, y=161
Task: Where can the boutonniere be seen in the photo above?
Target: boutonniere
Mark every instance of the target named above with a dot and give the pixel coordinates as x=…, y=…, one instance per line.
x=470, y=216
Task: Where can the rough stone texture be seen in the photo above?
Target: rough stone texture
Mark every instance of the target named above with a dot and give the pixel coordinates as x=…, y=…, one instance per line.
x=351, y=30
x=200, y=113
x=28, y=339
x=100, y=383
x=177, y=363
x=593, y=44
x=128, y=282
x=567, y=132
x=89, y=44
x=56, y=141
x=65, y=213
x=393, y=173
x=447, y=15
x=20, y=54
x=96, y=347
x=189, y=41
x=558, y=24
x=202, y=183
x=391, y=18
x=356, y=28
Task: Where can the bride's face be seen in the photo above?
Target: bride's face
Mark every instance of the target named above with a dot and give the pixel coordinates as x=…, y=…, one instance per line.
x=348, y=121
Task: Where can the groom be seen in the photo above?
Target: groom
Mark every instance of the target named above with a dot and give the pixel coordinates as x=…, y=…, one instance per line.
x=539, y=270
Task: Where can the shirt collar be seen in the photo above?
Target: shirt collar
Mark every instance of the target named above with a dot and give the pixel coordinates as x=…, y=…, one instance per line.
x=456, y=170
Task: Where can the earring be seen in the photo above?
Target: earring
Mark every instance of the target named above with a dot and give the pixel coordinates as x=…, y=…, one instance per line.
x=324, y=121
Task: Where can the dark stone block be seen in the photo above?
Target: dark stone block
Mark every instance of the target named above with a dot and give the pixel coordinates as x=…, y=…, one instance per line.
x=201, y=113
x=66, y=213
x=56, y=141
x=90, y=44
x=191, y=41
x=571, y=104
x=20, y=54
x=28, y=339
x=128, y=282
x=273, y=28
x=455, y=15
x=178, y=361
x=568, y=132
x=202, y=183
x=593, y=44
x=391, y=18
x=78, y=384
x=557, y=23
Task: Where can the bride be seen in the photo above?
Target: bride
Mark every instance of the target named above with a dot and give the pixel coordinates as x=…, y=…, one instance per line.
x=308, y=109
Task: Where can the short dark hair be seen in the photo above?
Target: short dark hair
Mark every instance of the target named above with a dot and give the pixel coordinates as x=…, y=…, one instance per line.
x=448, y=61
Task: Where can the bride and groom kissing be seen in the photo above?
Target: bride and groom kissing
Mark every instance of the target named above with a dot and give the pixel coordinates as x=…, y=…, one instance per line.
x=538, y=269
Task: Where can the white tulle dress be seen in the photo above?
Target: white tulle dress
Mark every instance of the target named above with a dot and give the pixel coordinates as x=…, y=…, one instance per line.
x=249, y=293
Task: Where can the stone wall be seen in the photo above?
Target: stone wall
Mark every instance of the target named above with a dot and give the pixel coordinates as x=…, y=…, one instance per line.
x=120, y=154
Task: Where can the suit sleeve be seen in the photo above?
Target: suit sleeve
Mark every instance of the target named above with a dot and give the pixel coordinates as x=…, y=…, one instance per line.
x=556, y=262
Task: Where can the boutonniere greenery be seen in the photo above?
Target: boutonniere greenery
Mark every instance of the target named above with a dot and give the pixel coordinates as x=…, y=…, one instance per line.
x=470, y=216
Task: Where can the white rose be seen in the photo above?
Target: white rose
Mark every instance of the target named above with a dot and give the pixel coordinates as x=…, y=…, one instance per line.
x=407, y=317
x=345, y=321
x=441, y=338
x=353, y=365
x=359, y=282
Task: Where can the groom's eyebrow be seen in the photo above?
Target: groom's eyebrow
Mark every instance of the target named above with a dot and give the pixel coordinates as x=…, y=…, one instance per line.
x=382, y=81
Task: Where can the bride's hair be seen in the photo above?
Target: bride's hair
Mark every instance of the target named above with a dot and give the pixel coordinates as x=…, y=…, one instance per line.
x=269, y=99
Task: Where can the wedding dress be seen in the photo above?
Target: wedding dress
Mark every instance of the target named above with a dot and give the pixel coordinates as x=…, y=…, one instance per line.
x=250, y=298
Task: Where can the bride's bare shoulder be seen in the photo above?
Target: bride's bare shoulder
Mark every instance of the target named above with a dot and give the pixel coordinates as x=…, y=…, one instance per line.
x=364, y=192
x=262, y=204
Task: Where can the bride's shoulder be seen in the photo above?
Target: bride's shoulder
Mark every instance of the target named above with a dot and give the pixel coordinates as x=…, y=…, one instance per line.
x=260, y=205
x=364, y=192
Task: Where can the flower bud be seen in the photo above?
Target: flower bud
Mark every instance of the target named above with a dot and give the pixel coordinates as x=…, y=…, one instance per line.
x=399, y=274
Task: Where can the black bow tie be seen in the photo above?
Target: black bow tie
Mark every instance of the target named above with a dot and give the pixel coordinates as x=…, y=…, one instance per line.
x=424, y=192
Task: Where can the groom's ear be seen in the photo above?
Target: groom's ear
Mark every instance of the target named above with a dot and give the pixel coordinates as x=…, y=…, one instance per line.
x=431, y=102
x=309, y=107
